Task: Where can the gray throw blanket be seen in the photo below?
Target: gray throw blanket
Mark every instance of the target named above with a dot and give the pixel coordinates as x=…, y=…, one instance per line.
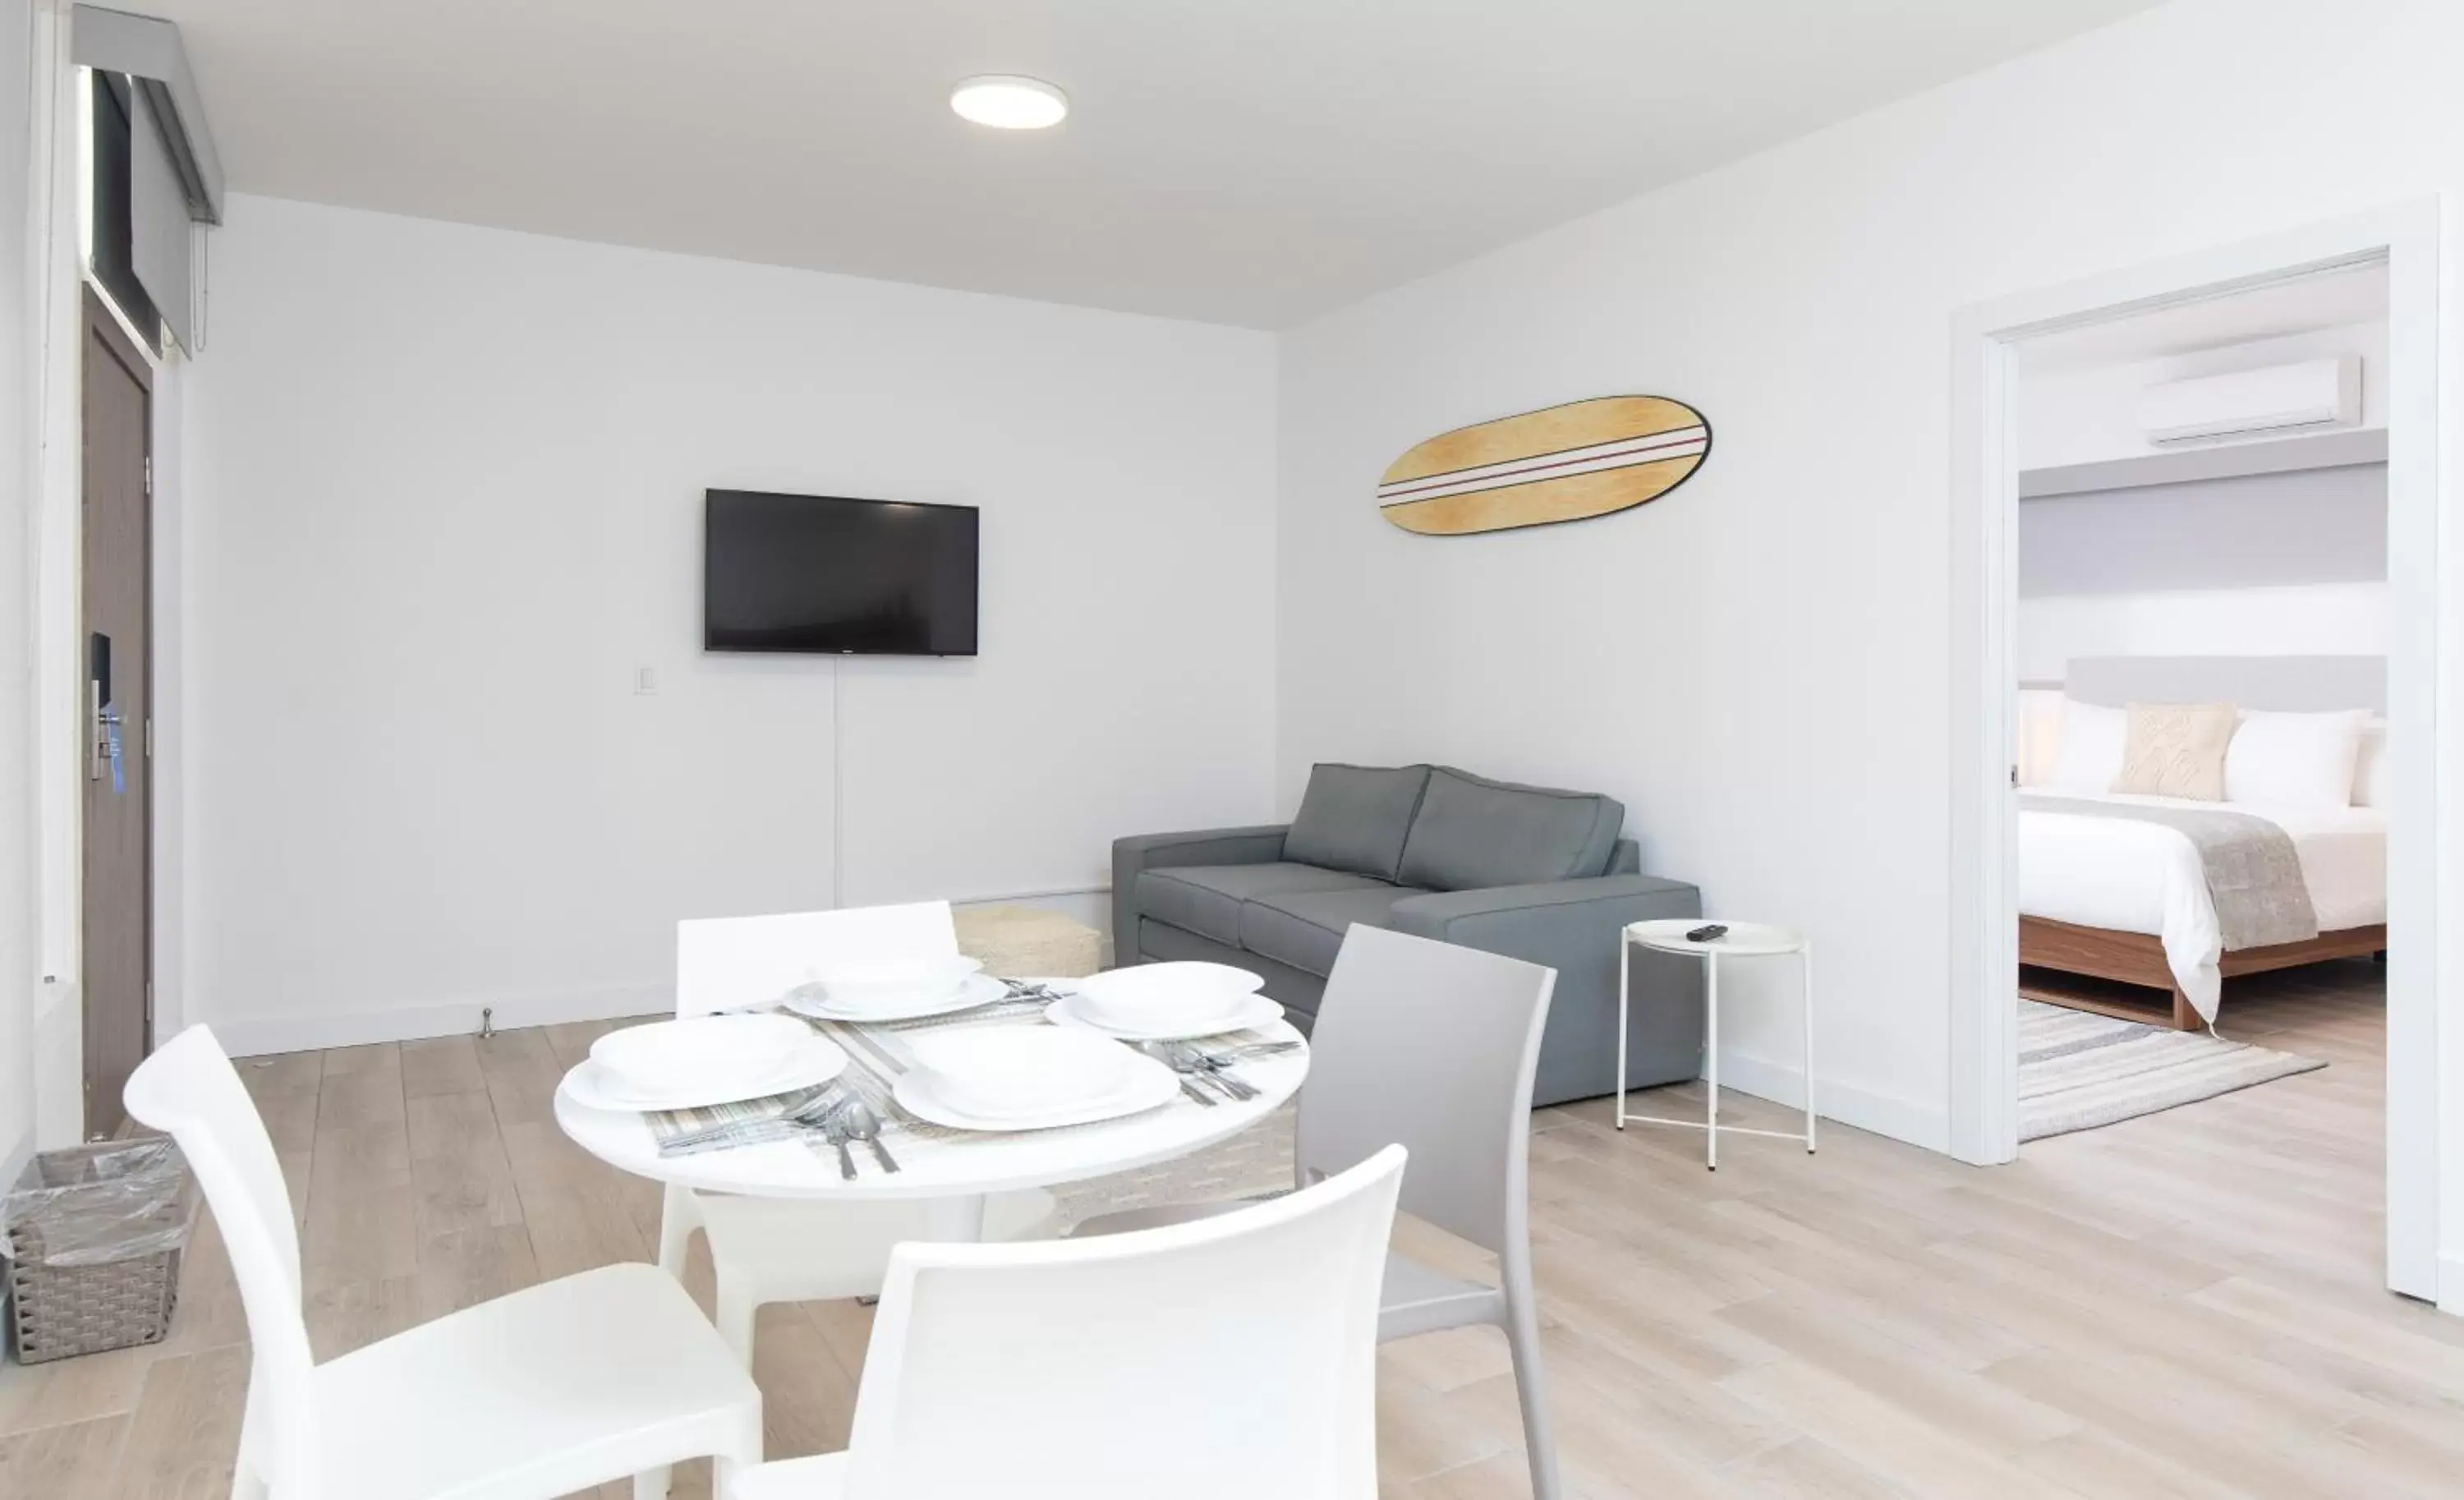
x=2254, y=873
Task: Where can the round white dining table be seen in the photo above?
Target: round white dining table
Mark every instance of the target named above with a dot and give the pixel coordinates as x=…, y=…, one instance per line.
x=953, y=1171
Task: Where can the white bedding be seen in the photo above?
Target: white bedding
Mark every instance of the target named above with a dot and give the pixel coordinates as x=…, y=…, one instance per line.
x=2144, y=878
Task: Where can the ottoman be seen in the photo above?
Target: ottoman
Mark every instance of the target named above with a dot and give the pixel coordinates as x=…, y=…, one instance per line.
x=1028, y=942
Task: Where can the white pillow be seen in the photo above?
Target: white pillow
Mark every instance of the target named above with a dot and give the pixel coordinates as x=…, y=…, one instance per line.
x=2041, y=734
x=2295, y=760
x=2370, y=765
x=2088, y=757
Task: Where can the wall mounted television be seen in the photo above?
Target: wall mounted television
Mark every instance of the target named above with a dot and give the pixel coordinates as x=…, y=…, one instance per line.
x=832, y=576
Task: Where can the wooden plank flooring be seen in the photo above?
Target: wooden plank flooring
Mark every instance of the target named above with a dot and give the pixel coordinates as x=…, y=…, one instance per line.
x=2183, y=1305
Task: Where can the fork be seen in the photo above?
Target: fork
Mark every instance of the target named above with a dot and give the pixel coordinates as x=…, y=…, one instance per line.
x=834, y=1130
x=1188, y=1059
x=1189, y=1071
x=808, y=1113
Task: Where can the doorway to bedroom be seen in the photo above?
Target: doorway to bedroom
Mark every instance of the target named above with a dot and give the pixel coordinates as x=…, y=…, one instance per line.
x=2200, y=626
x=2203, y=828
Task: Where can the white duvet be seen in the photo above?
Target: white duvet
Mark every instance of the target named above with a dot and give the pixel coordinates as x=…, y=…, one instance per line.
x=2144, y=878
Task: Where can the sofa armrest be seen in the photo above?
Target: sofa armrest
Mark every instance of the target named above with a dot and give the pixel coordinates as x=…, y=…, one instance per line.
x=1261, y=845
x=1537, y=922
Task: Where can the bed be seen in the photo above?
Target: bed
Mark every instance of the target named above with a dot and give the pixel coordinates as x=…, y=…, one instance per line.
x=2112, y=889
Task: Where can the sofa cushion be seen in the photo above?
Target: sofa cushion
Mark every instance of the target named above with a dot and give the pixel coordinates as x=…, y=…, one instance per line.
x=1357, y=817
x=1206, y=900
x=1472, y=833
x=1305, y=928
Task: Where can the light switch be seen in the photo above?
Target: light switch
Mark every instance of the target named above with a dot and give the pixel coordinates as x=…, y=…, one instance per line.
x=646, y=680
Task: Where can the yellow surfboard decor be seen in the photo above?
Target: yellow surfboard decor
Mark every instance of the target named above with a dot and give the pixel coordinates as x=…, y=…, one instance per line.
x=1572, y=462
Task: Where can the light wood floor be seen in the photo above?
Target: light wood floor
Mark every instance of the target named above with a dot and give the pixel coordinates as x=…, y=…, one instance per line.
x=2184, y=1305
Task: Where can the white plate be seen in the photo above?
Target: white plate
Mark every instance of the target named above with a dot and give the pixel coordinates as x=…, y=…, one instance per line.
x=1022, y=1072
x=1157, y=995
x=979, y=989
x=698, y=1054
x=859, y=985
x=815, y=1060
x=1253, y=1010
x=1152, y=1085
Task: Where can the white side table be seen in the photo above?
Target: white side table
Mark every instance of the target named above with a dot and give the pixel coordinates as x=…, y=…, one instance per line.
x=1742, y=941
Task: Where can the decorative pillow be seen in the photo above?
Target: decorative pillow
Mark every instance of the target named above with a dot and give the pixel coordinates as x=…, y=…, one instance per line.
x=1355, y=818
x=1472, y=833
x=2295, y=760
x=2370, y=765
x=2041, y=734
x=2176, y=750
x=2088, y=756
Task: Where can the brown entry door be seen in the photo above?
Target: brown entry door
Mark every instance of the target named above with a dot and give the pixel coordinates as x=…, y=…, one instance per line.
x=117, y=647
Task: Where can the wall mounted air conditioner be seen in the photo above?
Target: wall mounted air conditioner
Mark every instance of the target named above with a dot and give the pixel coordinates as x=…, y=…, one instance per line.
x=2281, y=398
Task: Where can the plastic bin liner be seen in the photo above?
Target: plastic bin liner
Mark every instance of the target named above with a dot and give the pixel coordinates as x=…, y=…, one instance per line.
x=94, y=1206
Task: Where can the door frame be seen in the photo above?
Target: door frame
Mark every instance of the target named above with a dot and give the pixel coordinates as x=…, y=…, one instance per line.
x=99, y=319
x=2425, y=694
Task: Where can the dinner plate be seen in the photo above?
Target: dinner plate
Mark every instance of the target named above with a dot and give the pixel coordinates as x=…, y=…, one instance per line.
x=1152, y=1085
x=1017, y=1072
x=814, y=1060
x=977, y=989
x=1252, y=1010
x=857, y=987
x=696, y=1054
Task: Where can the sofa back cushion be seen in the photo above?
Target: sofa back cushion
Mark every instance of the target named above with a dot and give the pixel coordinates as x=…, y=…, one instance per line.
x=1355, y=818
x=1472, y=833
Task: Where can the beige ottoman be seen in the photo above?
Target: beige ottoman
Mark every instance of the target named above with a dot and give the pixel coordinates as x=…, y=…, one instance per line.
x=1025, y=941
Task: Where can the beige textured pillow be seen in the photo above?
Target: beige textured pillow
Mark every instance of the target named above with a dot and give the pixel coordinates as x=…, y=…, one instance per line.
x=2176, y=750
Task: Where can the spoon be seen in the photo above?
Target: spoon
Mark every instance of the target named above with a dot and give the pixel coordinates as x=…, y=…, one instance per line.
x=860, y=1124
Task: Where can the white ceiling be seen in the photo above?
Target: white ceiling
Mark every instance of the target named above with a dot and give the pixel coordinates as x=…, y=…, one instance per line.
x=2303, y=304
x=1240, y=160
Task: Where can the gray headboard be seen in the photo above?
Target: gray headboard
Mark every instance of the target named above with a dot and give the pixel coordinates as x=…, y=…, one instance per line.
x=2279, y=684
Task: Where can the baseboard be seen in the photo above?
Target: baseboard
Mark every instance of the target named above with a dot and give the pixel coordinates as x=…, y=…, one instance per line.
x=256, y=1036
x=1905, y=1119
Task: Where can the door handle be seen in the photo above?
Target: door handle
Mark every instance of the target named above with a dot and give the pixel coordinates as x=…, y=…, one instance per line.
x=103, y=719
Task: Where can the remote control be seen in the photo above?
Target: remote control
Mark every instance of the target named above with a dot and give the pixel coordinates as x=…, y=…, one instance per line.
x=1710, y=933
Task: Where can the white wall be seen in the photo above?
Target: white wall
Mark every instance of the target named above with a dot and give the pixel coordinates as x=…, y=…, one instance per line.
x=444, y=490
x=2261, y=565
x=2285, y=620
x=1759, y=664
x=20, y=971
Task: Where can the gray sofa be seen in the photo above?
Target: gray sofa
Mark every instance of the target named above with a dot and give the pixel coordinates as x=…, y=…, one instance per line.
x=1529, y=872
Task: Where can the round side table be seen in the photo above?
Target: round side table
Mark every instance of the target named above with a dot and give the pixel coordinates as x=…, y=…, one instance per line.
x=1742, y=941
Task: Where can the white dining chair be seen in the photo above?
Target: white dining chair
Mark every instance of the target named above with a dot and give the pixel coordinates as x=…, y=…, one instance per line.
x=770, y=1250
x=571, y=1384
x=1231, y=1359
x=1432, y=1045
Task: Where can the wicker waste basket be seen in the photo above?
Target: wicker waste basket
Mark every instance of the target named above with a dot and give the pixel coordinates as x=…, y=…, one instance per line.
x=93, y=1240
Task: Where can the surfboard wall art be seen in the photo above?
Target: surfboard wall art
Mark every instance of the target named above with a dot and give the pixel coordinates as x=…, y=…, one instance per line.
x=1572, y=462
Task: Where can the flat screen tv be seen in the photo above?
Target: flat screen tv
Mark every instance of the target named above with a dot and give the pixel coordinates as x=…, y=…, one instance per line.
x=824, y=574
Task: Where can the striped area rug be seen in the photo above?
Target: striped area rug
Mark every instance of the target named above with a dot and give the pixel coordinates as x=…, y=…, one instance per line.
x=2079, y=1070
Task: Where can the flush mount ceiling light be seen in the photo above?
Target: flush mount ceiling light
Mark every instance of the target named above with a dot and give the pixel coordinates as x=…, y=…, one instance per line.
x=1008, y=102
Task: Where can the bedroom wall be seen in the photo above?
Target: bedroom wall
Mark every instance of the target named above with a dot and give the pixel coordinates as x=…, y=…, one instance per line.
x=1759, y=663
x=444, y=502
x=2261, y=565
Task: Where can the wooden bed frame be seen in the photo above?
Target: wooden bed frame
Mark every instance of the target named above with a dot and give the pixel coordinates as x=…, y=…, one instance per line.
x=2139, y=959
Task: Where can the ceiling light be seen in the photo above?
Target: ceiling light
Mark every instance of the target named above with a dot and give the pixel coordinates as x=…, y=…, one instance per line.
x=1006, y=102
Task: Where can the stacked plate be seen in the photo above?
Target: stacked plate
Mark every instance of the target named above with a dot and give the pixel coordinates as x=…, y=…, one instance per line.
x=896, y=989
x=1166, y=1001
x=706, y=1060
x=1010, y=1078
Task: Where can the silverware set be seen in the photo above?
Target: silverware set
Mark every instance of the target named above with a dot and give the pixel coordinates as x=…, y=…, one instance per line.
x=1207, y=1077
x=840, y=1116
